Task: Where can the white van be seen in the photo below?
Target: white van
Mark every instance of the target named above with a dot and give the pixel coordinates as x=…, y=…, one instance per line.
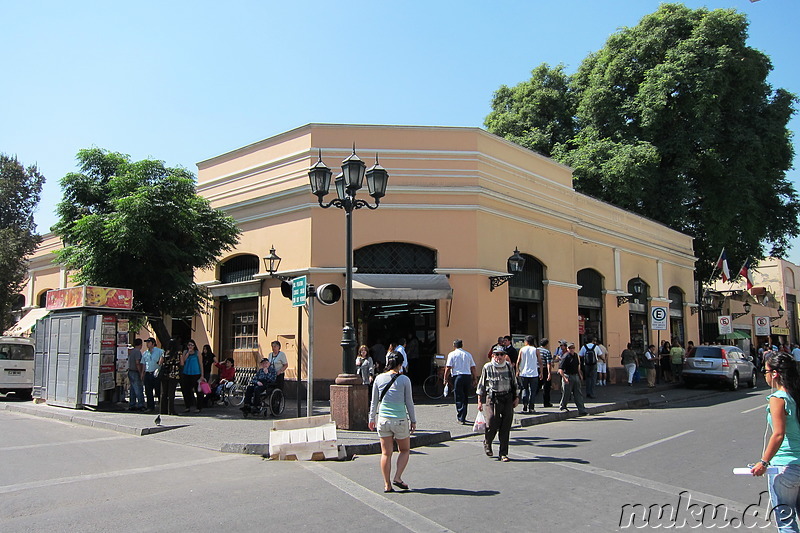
x=16, y=366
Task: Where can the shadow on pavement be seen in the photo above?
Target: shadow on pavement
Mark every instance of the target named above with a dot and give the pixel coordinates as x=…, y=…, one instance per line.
x=442, y=491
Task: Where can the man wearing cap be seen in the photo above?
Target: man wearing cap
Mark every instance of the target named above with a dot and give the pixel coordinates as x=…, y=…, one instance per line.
x=461, y=367
x=150, y=359
x=571, y=378
x=265, y=375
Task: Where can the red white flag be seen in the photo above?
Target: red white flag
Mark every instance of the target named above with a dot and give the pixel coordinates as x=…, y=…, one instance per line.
x=747, y=272
x=722, y=264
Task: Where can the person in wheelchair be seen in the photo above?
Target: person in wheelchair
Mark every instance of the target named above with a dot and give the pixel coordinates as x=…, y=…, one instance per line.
x=265, y=377
x=224, y=379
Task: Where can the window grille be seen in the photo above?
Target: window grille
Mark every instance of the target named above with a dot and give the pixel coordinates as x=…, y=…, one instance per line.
x=394, y=258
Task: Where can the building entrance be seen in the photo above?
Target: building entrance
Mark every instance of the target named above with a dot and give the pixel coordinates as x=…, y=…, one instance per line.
x=381, y=322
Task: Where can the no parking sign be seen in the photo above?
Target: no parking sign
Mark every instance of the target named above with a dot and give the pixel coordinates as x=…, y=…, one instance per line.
x=762, y=326
x=658, y=318
x=725, y=325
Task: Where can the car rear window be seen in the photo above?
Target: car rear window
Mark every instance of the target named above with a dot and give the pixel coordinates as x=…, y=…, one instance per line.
x=707, y=352
x=16, y=352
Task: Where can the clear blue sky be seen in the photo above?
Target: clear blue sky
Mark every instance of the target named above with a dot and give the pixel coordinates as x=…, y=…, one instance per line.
x=183, y=81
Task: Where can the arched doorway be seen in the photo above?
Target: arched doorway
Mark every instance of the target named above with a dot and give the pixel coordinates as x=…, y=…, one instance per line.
x=676, y=321
x=590, y=305
x=526, y=300
x=638, y=314
x=239, y=311
x=384, y=315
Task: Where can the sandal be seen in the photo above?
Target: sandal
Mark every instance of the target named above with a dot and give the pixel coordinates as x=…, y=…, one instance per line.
x=390, y=489
x=400, y=484
x=487, y=448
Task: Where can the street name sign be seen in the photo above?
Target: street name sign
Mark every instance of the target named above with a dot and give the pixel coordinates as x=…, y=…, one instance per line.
x=299, y=290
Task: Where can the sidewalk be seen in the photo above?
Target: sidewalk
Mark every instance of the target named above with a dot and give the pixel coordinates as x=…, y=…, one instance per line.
x=225, y=429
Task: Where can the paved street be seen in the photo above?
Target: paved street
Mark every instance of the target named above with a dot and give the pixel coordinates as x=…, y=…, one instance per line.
x=580, y=472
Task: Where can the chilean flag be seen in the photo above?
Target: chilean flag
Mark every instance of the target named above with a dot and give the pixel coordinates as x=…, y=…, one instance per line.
x=747, y=272
x=722, y=264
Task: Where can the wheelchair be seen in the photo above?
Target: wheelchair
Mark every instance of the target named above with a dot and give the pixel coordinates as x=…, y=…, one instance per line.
x=271, y=401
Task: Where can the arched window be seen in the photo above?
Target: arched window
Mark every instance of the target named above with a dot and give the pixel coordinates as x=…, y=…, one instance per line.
x=676, y=300
x=528, y=284
x=591, y=292
x=395, y=258
x=42, y=300
x=788, y=279
x=239, y=268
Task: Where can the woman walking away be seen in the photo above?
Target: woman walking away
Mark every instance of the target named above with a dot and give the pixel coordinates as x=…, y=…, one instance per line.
x=497, y=398
x=191, y=375
x=783, y=448
x=390, y=411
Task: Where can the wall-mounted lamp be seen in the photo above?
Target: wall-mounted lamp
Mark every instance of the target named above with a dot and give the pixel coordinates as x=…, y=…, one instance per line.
x=271, y=264
x=638, y=287
x=515, y=265
x=747, y=308
x=780, y=314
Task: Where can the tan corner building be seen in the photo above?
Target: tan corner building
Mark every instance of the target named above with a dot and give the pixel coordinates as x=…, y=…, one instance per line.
x=459, y=202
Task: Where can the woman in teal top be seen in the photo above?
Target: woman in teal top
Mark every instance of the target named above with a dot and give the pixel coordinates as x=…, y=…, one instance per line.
x=191, y=375
x=783, y=448
x=392, y=414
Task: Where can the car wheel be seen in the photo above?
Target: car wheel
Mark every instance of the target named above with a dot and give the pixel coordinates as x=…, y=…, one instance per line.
x=735, y=381
x=752, y=382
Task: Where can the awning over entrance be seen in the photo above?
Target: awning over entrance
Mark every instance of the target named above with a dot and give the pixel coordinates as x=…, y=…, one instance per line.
x=241, y=289
x=28, y=321
x=401, y=287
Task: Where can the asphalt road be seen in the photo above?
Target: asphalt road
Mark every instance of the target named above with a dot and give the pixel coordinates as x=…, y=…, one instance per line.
x=576, y=474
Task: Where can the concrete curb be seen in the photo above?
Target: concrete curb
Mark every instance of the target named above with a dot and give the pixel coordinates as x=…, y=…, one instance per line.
x=370, y=448
x=80, y=420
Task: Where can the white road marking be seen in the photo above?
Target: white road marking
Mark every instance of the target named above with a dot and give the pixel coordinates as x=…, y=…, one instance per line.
x=387, y=507
x=649, y=444
x=5, y=489
x=672, y=490
x=68, y=442
x=763, y=407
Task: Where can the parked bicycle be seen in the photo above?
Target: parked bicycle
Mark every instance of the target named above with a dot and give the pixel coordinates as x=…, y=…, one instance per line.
x=433, y=386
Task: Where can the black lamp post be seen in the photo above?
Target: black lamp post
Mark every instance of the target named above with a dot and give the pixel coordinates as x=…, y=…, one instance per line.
x=347, y=185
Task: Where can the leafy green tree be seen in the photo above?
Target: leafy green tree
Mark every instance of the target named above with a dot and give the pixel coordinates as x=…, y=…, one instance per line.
x=20, y=190
x=537, y=114
x=140, y=225
x=675, y=120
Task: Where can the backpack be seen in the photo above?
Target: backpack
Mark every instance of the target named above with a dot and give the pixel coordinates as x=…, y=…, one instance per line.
x=588, y=355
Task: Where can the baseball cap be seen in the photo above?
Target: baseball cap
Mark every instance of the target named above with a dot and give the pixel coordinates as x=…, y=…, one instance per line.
x=150, y=339
x=571, y=345
x=498, y=349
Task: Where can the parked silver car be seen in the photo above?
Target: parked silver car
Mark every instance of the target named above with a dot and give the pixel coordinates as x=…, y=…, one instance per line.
x=719, y=364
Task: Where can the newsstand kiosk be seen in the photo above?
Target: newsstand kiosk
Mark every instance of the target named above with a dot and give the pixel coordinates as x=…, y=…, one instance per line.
x=79, y=344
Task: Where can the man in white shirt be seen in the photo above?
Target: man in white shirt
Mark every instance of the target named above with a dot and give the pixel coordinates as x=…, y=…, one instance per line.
x=401, y=349
x=528, y=370
x=461, y=367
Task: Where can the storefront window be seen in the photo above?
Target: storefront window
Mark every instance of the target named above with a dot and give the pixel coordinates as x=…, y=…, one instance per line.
x=245, y=331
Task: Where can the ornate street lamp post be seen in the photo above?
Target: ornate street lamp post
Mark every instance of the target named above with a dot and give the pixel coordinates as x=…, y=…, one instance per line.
x=347, y=185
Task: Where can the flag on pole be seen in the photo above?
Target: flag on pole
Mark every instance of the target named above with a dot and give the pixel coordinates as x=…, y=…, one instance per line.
x=722, y=264
x=747, y=272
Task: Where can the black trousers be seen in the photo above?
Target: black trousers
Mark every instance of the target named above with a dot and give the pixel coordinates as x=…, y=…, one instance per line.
x=189, y=390
x=499, y=415
x=166, y=402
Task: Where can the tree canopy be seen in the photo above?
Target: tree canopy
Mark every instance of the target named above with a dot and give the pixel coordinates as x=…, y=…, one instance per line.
x=140, y=225
x=20, y=190
x=673, y=119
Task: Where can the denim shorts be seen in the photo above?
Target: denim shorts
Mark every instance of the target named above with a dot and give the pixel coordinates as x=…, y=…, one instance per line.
x=394, y=427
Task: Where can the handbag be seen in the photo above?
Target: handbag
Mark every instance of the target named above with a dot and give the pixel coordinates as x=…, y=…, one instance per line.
x=204, y=387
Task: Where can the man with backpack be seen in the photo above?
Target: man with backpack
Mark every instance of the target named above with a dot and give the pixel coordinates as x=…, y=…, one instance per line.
x=588, y=355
